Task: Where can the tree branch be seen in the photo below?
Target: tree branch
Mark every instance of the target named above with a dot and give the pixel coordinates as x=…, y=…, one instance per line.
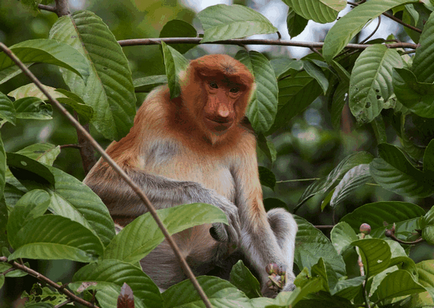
x=118, y=170
x=48, y=281
x=196, y=40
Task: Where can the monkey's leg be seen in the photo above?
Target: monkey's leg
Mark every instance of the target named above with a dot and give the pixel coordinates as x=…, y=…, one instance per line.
x=285, y=229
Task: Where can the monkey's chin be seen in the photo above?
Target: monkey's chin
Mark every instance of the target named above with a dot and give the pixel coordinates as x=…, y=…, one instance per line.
x=217, y=127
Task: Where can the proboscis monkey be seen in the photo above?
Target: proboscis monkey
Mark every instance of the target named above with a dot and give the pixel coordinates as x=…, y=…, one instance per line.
x=199, y=148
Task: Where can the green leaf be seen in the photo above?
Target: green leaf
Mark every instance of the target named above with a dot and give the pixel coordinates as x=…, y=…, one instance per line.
x=220, y=293
x=395, y=173
x=267, y=147
x=342, y=235
x=319, y=11
x=427, y=225
x=31, y=90
x=349, y=288
x=175, y=63
x=423, y=61
x=295, y=23
x=54, y=237
x=263, y=106
x=283, y=66
x=377, y=213
x=69, y=197
x=375, y=255
x=10, y=72
x=33, y=108
x=75, y=102
x=29, y=172
x=109, y=89
x=371, y=81
x=296, y=93
x=32, y=205
x=311, y=245
x=223, y=22
x=315, y=72
x=328, y=276
x=243, y=279
x=352, y=180
x=396, y=284
x=146, y=84
x=425, y=270
x=416, y=96
x=116, y=273
x=7, y=110
x=45, y=153
x=352, y=23
x=179, y=28
x=267, y=177
x=322, y=185
x=3, y=207
x=50, y=52
x=131, y=245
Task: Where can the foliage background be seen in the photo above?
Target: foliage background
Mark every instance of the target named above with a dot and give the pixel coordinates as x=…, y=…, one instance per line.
x=310, y=148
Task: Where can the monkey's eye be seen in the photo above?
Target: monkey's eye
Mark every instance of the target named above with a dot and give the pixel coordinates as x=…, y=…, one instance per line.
x=234, y=90
x=213, y=85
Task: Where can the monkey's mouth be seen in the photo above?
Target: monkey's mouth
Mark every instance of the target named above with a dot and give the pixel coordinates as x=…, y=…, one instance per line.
x=218, y=125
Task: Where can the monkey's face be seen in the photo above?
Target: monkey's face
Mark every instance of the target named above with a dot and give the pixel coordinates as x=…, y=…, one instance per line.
x=220, y=109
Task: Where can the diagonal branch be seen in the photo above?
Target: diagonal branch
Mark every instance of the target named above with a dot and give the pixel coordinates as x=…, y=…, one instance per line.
x=118, y=170
x=48, y=281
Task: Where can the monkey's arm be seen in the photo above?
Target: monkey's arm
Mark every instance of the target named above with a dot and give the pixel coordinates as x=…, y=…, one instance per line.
x=265, y=238
x=163, y=193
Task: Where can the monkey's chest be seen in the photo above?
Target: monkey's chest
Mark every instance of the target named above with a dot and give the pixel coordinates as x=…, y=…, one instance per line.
x=211, y=173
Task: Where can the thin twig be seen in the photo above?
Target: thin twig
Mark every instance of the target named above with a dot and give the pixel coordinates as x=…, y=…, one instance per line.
x=324, y=226
x=373, y=32
x=118, y=170
x=47, y=8
x=393, y=18
x=197, y=41
x=391, y=234
x=48, y=281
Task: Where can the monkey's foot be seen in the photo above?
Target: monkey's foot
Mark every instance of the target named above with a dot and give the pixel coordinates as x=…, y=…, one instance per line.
x=277, y=277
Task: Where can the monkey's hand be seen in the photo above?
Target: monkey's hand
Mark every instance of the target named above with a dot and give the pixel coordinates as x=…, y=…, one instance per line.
x=230, y=233
x=278, y=280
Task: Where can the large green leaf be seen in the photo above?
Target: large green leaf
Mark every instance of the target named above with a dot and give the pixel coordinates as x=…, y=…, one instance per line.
x=377, y=213
x=109, y=89
x=131, y=245
x=109, y=273
x=371, y=81
x=428, y=160
x=427, y=226
x=50, y=52
x=32, y=108
x=3, y=206
x=423, y=61
x=146, y=84
x=45, y=153
x=243, y=279
x=295, y=23
x=33, y=204
x=54, y=237
x=375, y=255
x=416, y=96
x=179, y=28
x=352, y=180
x=352, y=23
x=7, y=110
x=311, y=245
x=322, y=185
x=175, y=63
x=425, y=270
x=69, y=197
x=296, y=93
x=321, y=11
x=31, y=90
x=342, y=235
x=394, y=172
x=396, y=284
x=220, y=292
x=263, y=106
x=223, y=22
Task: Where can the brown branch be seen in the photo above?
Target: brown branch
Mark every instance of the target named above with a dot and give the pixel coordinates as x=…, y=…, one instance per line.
x=324, y=226
x=393, y=18
x=197, y=41
x=48, y=281
x=391, y=234
x=61, y=8
x=118, y=170
x=47, y=8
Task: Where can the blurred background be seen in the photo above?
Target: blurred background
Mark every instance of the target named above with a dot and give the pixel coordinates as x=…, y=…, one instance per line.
x=307, y=149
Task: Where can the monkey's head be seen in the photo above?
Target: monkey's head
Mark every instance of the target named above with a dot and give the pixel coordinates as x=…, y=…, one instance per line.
x=217, y=90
